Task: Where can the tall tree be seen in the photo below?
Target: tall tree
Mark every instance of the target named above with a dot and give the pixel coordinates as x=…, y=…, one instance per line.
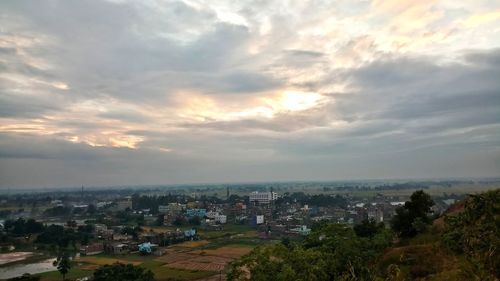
x=63, y=264
x=413, y=217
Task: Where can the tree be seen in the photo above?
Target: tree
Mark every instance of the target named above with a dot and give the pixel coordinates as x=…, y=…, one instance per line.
x=195, y=220
x=413, y=217
x=91, y=209
x=367, y=228
x=330, y=252
x=179, y=221
x=63, y=264
x=475, y=232
x=122, y=272
x=160, y=219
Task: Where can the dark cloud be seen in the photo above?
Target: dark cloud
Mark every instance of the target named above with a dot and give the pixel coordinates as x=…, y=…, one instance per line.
x=119, y=69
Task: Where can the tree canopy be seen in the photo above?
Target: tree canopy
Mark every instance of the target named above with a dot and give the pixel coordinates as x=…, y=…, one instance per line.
x=330, y=252
x=475, y=232
x=122, y=272
x=413, y=217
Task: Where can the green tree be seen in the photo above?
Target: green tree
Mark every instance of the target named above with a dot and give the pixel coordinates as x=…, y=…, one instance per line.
x=367, y=228
x=475, y=232
x=330, y=252
x=63, y=264
x=413, y=217
x=122, y=272
x=195, y=220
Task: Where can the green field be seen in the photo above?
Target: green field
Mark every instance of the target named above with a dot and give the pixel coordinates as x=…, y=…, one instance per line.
x=82, y=268
x=232, y=235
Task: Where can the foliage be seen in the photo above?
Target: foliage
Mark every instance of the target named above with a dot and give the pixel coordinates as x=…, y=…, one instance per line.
x=63, y=264
x=122, y=272
x=133, y=231
x=413, y=217
x=330, y=252
x=57, y=211
x=313, y=200
x=195, y=220
x=180, y=221
x=22, y=227
x=475, y=232
x=368, y=228
x=59, y=236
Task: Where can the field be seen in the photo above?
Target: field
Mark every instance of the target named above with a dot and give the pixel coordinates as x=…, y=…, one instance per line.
x=214, y=260
x=191, y=260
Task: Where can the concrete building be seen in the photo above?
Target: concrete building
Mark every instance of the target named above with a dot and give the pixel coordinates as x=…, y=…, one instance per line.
x=222, y=219
x=92, y=249
x=124, y=204
x=259, y=219
x=196, y=212
x=263, y=197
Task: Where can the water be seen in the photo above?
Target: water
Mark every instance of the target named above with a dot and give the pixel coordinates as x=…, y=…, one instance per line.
x=19, y=269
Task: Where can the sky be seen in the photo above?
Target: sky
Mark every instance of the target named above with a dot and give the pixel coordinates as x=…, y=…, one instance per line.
x=102, y=93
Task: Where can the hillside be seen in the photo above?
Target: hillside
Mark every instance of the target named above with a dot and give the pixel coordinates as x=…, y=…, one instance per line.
x=460, y=245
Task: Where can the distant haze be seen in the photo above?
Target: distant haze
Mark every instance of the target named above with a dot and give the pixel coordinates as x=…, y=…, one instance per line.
x=102, y=93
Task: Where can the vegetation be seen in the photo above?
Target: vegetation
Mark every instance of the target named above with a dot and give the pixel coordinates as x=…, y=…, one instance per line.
x=22, y=227
x=316, y=200
x=63, y=264
x=413, y=217
x=465, y=248
x=123, y=272
x=475, y=233
x=330, y=252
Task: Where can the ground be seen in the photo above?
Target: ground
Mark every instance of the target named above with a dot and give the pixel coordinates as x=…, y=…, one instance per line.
x=205, y=259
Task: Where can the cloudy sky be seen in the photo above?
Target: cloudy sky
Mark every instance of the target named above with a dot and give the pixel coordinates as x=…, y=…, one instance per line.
x=159, y=92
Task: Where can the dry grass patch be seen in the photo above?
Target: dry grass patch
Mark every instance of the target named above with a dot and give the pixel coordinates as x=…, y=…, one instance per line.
x=104, y=261
x=226, y=252
x=193, y=244
x=193, y=265
x=171, y=257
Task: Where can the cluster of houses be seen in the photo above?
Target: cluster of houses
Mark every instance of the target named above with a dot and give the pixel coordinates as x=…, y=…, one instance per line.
x=112, y=241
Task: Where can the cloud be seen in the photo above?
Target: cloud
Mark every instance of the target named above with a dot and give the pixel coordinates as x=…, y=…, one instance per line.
x=153, y=91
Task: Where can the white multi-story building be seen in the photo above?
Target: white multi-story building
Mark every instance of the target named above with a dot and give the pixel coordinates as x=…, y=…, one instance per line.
x=163, y=209
x=221, y=218
x=212, y=214
x=263, y=197
x=259, y=219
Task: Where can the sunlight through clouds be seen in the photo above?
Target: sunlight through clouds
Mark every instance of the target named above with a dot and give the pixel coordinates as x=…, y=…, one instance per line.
x=287, y=80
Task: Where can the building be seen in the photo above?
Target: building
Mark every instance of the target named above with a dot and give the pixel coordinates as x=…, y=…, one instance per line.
x=117, y=248
x=222, y=219
x=259, y=219
x=163, y=209
x=212, y=214
x=263, y=197
x=201, y=213
x=92, y=249
x=302, y=230
x=124, y=204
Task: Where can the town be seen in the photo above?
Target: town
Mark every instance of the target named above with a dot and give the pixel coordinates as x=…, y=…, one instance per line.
x=193, y=232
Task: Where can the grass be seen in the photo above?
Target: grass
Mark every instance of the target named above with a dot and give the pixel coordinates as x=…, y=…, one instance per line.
x=83, y=267
x=193, y=244
x=242, y=242
x=162, y=272
x=99, y=260
x=73, y=273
